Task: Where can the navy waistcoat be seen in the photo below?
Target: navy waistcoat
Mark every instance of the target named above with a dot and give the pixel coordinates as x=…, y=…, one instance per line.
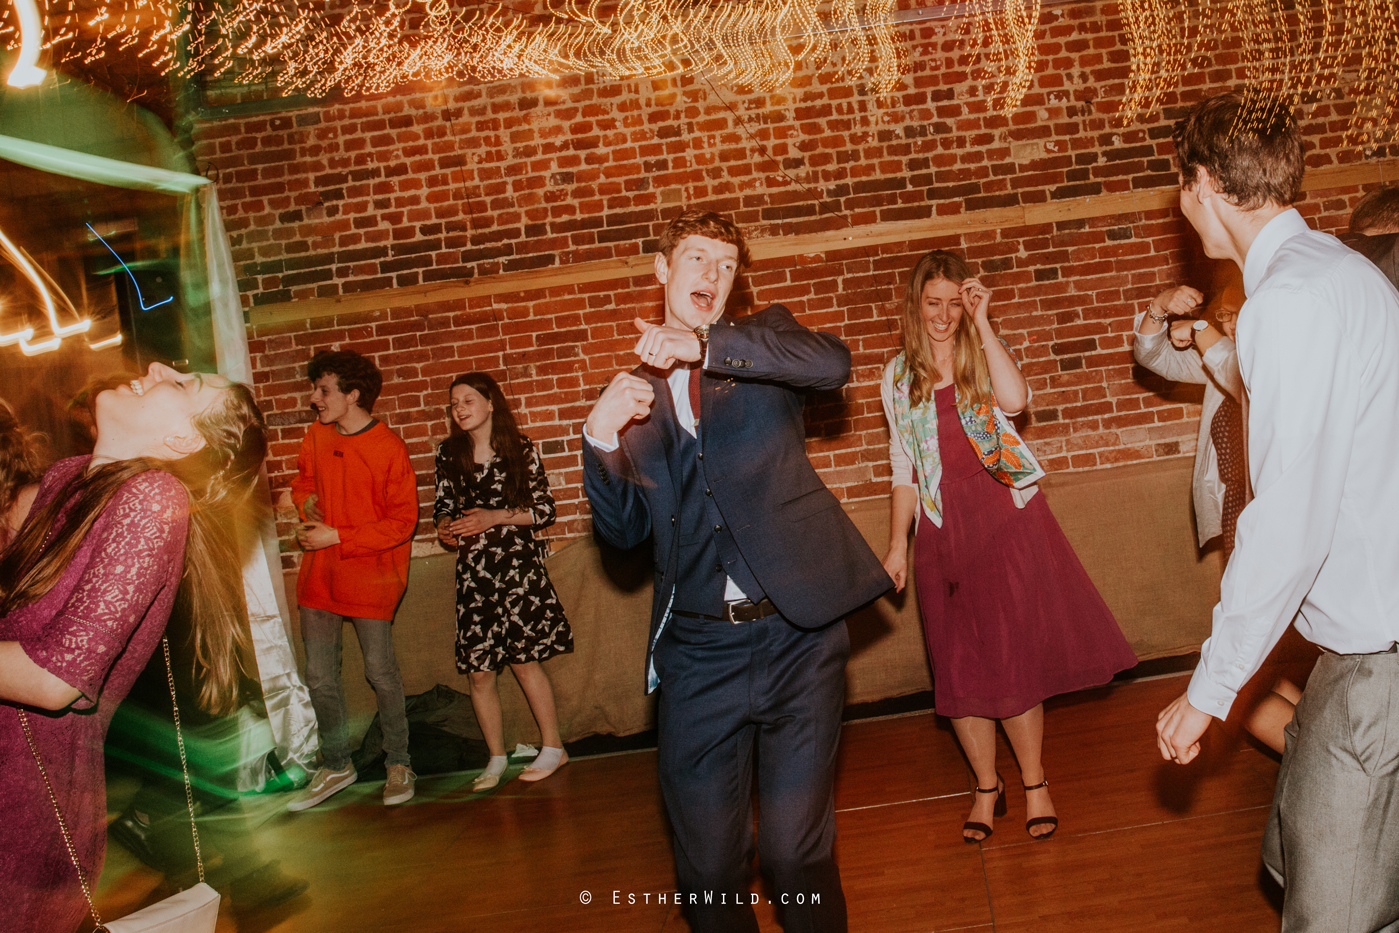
x=708, y=553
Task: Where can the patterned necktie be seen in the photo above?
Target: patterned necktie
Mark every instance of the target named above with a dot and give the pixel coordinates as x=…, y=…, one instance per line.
x=1226, y=432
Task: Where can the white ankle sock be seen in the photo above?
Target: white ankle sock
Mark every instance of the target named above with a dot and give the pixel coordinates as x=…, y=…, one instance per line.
x=497, y=766
x=548, y=759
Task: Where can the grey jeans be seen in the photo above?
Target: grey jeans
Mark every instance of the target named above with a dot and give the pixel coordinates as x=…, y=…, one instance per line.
x=321, y=632
x=1333, y=833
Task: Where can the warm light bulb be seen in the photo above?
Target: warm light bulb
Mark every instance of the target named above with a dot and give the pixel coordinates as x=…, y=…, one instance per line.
x=26, y=72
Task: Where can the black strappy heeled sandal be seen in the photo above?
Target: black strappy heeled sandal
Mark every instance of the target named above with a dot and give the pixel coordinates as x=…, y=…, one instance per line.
x=1051, y=821
x=1000, y=810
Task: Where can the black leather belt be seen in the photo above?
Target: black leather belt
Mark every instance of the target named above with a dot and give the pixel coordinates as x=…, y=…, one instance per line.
x=735, y=612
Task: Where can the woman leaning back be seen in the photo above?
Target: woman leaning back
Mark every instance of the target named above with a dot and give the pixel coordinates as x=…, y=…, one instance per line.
x=85, y=590
x=1009, y=615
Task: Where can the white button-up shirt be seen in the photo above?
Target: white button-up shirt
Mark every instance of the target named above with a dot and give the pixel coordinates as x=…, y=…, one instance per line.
x=1318, y=344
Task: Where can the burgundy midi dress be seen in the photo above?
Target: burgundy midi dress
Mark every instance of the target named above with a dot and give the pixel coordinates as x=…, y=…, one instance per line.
x=94, y=630
x=1009, y=614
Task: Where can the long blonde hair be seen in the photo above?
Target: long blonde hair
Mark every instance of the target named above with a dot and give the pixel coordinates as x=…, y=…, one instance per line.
x=218, y=478
x=969, y=371
x=21, y=460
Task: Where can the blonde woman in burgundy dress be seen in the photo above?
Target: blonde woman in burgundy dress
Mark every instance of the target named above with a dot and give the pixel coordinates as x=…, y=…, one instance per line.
x=1009, y=615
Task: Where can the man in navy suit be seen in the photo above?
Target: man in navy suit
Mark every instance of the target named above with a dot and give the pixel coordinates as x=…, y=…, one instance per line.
x=701, y=448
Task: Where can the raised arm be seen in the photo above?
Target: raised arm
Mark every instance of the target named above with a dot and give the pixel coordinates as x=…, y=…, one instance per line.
x=1221, y=362
x=620, y=514
x=1007, y=382
x=772, y=345
x=1154, y=351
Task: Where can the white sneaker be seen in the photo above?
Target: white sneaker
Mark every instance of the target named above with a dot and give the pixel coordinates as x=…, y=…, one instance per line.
x=323, y=785
x=399, y=787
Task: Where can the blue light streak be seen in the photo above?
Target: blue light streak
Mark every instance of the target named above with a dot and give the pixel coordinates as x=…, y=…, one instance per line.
x=139, y=297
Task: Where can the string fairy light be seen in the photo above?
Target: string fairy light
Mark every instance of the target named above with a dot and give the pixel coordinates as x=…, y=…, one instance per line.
x=1003, y=32
x=364, y=46
x=1289, y=52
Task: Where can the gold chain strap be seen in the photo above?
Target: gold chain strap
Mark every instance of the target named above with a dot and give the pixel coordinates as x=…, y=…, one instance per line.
x=184, y=765
x=63, y=824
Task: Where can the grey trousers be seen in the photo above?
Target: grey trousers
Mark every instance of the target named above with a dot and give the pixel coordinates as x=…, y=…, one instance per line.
x=321, y=632
x=1333, y=834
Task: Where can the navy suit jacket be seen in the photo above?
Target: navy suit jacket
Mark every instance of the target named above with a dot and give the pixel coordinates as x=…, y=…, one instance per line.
x=791, y=530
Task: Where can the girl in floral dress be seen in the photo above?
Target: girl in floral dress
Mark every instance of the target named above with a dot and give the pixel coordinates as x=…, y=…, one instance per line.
x=491, y=493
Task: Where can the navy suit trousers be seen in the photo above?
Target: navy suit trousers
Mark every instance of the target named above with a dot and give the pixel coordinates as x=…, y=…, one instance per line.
x=730, y=692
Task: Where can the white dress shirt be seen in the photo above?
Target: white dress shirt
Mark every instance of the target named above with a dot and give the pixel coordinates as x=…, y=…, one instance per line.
x=1318, y=346
x=679, y=382
x=1218, y=370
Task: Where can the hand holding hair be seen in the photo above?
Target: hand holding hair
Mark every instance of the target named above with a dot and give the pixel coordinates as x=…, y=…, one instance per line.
x=976, y=299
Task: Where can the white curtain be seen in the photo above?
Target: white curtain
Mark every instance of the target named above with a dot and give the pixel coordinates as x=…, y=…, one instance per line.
x=289, y=713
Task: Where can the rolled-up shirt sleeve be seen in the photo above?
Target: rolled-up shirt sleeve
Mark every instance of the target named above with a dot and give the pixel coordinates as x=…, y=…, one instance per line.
x=1158, y=354
x=1221, y=361
x=1304, y=392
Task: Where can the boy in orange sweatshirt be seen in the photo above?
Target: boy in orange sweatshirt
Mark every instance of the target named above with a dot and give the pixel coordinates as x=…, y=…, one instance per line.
x=357, y=493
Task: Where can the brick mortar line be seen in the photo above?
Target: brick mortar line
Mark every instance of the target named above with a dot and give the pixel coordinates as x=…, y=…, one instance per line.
x=877, y=234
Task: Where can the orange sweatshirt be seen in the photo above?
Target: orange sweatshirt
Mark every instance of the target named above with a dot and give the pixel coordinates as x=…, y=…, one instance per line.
x=365, y=485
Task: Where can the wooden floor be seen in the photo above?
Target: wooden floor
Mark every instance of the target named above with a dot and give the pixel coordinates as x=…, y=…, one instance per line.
x=1143, y=845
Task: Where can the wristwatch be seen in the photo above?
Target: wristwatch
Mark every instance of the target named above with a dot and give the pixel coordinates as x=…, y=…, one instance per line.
x=1197, y=327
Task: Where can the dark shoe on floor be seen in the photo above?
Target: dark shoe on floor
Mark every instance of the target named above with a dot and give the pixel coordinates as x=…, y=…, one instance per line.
x=135, y=838
x=1051, y=821
x=999, y=810
x=263, y=887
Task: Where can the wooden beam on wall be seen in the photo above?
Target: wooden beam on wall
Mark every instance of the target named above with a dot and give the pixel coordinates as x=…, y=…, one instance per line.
x=1105, y=205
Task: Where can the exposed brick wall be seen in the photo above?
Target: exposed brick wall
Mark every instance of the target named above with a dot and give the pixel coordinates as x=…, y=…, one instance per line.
x=467, y=182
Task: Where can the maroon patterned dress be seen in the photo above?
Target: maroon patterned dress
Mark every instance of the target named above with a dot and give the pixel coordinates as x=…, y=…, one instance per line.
x=1009, y=614
x=95, y=630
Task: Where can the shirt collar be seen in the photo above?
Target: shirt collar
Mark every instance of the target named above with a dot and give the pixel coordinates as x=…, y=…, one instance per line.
x=1275, y=232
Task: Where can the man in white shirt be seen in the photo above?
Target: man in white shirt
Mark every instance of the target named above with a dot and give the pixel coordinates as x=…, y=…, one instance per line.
x=1318, y=547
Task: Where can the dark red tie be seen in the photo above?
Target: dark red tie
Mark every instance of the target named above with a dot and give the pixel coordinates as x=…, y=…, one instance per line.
x=695, y=370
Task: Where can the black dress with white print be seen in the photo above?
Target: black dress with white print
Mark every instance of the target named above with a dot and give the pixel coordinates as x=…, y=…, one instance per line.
x=507, y=610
